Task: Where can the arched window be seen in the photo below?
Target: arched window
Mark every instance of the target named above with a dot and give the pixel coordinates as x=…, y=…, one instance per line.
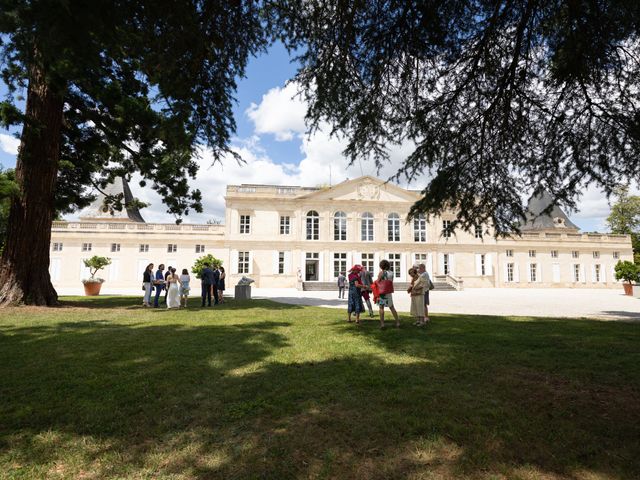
x=340, y=226
x=313, y=225
x=420, y=229
x=366, y=227
x=393, y=227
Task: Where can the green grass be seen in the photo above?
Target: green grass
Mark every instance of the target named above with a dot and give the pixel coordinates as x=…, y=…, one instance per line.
x=102, y=389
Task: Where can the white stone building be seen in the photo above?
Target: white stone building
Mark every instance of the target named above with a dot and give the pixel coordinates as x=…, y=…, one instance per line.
x=303, y=237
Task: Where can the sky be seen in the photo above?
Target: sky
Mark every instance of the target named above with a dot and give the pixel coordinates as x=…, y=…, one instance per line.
x=271, y=137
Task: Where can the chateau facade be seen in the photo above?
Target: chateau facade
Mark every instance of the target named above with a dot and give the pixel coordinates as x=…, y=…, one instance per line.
x=299, y=237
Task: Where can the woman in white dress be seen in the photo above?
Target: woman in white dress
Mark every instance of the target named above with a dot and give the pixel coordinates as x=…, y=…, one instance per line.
x=173, y=295
x=184, y=287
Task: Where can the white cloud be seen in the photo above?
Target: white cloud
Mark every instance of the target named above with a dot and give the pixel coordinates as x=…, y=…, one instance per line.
x=280, y=113
x=9, y=144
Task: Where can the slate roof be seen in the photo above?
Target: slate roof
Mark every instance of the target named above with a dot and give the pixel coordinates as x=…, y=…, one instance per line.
x=98, y=211
x=555, y=219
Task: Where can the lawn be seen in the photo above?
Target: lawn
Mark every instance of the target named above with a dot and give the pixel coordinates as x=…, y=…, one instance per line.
x=102, y=388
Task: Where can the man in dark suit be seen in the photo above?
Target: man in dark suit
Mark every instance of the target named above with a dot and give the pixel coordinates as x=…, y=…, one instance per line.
x=206, y=280
x=159, y=283
x=216, y=282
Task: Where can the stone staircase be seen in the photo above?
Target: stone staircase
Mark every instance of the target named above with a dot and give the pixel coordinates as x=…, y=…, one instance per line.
x=398, y=286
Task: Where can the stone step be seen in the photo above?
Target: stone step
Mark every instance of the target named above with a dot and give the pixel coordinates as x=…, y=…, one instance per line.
x=399, y=287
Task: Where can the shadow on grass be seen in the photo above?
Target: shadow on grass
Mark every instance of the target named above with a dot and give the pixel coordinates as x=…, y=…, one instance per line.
x=472, y=395
x=134, y=303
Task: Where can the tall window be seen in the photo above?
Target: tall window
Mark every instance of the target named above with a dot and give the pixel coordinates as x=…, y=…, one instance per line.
x=243, y=262
x=57, y=247
x=199, y=248
x=285, y=225
x=478, y=231
x=144, y=247
x=313, y=225
x=596, y=254
x=420, y=229
x=340, y=226
x=509, y=272
x=532, y=254
x=245, y=224
x=394, y=261
x=446, y=264
x=576, y=272
x=596, y=272
x=483, y=265
x=509, y=253
x=172, y=248
x=280, y=263
x=446, y=228
x=533, y=272
x=367, y=262
x=393, y=227
x=115, y=247
x=366, y=227
x=86, y=247
x=419, y=258
x=554, y=253
x=339, y=264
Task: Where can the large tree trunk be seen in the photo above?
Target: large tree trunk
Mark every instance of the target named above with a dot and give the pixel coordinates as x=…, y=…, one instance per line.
x=24, y=266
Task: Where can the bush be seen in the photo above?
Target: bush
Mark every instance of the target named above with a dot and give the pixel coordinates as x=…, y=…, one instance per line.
x=199, y=265
x=627, y=271
x=94, y=264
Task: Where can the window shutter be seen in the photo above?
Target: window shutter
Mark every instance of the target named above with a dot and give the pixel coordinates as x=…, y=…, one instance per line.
x=441, y=263
x=529, y=272
x=506, y=272
x=603, y=274
x=488, y=263
x=275, y=262
x=539, y=273
x=478, y=264
x=452, y=268
x=113, y=270
x=516, y=273
x=234, y=261
x=287, y=263
x=593, y=273
x=54, y=269
x=250, y=263
x=583, y=277
x=430, y=265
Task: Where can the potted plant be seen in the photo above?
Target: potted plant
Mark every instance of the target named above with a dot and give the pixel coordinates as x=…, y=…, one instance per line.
x=629, y=272
x=93, y=284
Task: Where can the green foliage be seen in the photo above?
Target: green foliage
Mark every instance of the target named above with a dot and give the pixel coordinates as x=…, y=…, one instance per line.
x=8, y=188
x=145, y=83
x=627, y=271
x=96, y=263
x=198, y=266
x=625, y=218
x=489, y=98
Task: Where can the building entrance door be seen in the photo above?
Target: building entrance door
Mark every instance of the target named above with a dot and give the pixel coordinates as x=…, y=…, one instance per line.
x=311, y=271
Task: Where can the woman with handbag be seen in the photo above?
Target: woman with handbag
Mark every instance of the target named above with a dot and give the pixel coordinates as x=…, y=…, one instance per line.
x=147, y=277
x=354, y=303
x=385, y=288
x=416, y=290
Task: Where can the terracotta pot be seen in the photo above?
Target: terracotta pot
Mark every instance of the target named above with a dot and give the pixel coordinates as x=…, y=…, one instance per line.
x=92, y=288
x=628, y=288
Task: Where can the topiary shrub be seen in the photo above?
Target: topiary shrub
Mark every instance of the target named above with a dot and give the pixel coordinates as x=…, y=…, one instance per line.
x=627, y=271
x=94, y=264
x=198, y=266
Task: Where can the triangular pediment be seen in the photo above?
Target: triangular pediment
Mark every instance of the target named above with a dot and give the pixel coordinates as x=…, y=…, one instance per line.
x=365, y=188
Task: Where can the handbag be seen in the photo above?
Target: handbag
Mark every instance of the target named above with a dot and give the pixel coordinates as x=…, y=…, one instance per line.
x=385, y=286
x=431, y=286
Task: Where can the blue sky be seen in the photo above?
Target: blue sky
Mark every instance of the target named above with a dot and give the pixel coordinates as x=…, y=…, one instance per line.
x=271, y=137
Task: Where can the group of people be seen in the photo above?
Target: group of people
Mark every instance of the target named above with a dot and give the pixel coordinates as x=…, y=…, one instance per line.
x=360, y=286
x=176, y=288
